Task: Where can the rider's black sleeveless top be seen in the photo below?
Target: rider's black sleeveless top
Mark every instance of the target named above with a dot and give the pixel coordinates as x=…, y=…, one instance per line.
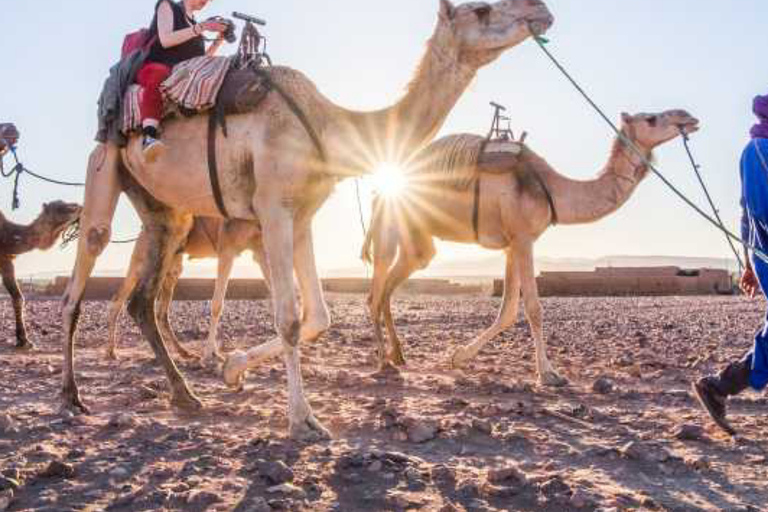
x=171, y=56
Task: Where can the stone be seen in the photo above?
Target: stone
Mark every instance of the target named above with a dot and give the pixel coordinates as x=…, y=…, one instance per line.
x=689, y=433
x=259, y=504
x=468, y=489
x=580, y=499
x=122, y=420
x=288, y=490
x=202, y=500
x=421, y=431
x=375, y=466
x=603, y=386
x=58, y=469
x=6, y=497
x=443, y=475
x=275, y=472
x=119, y=473
x=508, y=476
x=7, y=425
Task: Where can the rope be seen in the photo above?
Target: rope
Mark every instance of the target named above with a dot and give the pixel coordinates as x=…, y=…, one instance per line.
x=360, y=207
x=715, y=211
x=541, y=42
x=19, y=169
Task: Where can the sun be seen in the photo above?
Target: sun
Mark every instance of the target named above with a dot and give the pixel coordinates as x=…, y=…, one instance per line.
x=389, y=180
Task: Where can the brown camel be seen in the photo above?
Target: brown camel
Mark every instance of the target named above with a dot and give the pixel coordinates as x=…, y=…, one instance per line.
x=513, y=211
x=16, y=239
x=274, y=171
x=208, y=238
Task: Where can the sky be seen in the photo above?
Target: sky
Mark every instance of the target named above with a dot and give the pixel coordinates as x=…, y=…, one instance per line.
x=633, y=55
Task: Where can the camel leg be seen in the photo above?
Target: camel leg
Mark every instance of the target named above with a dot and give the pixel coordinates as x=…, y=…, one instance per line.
x=102, y=191
x=533, y=311
x=226, y=259
x=164, y=306
x=121, y=297
x=315, y=316
x=166, y=231
x=385, y=250
x=506, y=317
x=277, y=223
x=17, y=298
x=405, y=265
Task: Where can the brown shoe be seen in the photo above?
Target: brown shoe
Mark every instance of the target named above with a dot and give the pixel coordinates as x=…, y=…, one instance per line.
x=713, y=402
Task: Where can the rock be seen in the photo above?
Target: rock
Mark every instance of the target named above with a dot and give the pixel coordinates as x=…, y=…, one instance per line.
x=58, y=469
x=119, y=473
x=274, y=471
x=508, y=476
x=603, y=386
x=554, y=487
x=288, y=490
x=8, y=483
x=482, y=426
x=497, y=491
x=689, y=433
x=580, y=499
x=202, y=500
x=375, y=466
x=6, y=497
x=468, y=489
x=698, y=463
x=632, y=450
x=443, y=475
x=421, y=431
x=259, y=504
x=122, y=420
x=6, y=423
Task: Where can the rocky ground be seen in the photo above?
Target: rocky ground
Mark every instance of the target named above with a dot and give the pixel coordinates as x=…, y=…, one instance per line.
x=625, y=435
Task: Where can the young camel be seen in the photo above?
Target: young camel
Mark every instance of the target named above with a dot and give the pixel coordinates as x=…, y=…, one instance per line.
x=16, y=239
x=272, y=170
x=513, y=213
x=208, y=238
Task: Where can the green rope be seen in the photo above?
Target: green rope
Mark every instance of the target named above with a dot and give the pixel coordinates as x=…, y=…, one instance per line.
x=540, y=41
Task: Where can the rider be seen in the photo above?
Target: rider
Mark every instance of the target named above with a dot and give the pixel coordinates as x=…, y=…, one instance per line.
x=179, y=37
x=752, y=369
x=9, y=135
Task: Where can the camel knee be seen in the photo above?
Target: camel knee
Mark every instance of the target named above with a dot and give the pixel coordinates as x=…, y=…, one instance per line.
x=289, y=327
x=138, y=307
x=97, y=240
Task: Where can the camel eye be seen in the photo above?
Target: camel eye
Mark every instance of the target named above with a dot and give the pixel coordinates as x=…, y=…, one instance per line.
x=652, y=120
x=483, y=13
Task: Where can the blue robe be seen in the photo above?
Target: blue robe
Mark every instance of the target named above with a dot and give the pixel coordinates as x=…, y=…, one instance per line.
x=754, y=230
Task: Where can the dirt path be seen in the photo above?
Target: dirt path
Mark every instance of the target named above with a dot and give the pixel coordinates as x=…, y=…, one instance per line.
x=622, y=436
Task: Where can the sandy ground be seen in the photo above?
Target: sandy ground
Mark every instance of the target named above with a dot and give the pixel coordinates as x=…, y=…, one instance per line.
x=623, y=436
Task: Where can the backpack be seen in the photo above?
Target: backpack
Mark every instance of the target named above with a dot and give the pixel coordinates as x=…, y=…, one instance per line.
x=139, y=40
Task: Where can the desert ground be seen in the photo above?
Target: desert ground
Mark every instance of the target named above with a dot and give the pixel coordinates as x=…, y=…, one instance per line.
x=624, y=435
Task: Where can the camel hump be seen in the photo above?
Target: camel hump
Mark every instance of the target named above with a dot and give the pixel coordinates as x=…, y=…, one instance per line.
x=452, y=160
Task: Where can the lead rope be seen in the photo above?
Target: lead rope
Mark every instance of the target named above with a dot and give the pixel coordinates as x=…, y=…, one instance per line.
x=540, y=41
x=715, y=211
x=362, y=220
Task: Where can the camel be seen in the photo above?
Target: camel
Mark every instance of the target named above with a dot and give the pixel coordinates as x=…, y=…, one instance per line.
x=208, y=238
x=513, y=211
x=16, y=239
x=277, y=166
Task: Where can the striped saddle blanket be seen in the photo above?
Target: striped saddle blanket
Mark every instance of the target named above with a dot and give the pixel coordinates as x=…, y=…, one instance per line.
x=192, y=87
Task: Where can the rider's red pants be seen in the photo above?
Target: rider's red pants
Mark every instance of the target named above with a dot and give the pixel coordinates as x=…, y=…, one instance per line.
x=150, y=76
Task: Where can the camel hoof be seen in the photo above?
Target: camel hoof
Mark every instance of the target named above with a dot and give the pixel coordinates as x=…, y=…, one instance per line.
x=457, y=361
x=310, y=430
x=552, y=380
x=233, y=377
x=74, y=404
x=186, y=401
x=397, y=359
x=386, y=370
x=25, y=345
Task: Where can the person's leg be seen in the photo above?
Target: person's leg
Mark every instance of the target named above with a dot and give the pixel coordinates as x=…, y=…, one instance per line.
x=150, y=76
x=751, y=370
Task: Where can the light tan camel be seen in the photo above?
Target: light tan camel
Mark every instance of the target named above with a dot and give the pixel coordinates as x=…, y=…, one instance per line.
x=208, y=238
x=16, y=239
x=271, y=171
x=513, y=212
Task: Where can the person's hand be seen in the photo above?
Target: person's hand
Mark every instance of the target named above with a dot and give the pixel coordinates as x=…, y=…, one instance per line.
x=749, y=283
x=213, y=26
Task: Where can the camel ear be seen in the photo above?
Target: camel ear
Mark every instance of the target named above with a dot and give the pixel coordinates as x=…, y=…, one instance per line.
x=447, y=10
x=626, y=118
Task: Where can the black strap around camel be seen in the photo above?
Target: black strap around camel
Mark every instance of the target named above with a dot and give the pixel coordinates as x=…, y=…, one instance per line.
x=217, y=117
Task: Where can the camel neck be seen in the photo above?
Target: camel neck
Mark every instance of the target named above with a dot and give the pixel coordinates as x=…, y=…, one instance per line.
x=586, y=201
x=395, y=133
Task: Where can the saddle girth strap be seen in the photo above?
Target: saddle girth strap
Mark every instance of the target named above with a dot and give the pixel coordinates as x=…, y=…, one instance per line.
x=213, y=172
x=548, y=195
x=297, y=111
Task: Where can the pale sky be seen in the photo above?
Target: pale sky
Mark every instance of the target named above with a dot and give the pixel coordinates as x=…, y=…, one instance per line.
x=633, y=55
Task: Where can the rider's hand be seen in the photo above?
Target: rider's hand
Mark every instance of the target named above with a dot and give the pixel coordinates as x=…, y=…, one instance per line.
x=213, y=26
x=748, y=282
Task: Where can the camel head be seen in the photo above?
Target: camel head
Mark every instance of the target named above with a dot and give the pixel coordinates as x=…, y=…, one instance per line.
x=54, y=219
x=478, y=32
x=651, y=130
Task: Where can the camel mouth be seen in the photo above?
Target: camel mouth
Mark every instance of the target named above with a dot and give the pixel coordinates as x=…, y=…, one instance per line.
x=539, y=25
x=689, y=127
